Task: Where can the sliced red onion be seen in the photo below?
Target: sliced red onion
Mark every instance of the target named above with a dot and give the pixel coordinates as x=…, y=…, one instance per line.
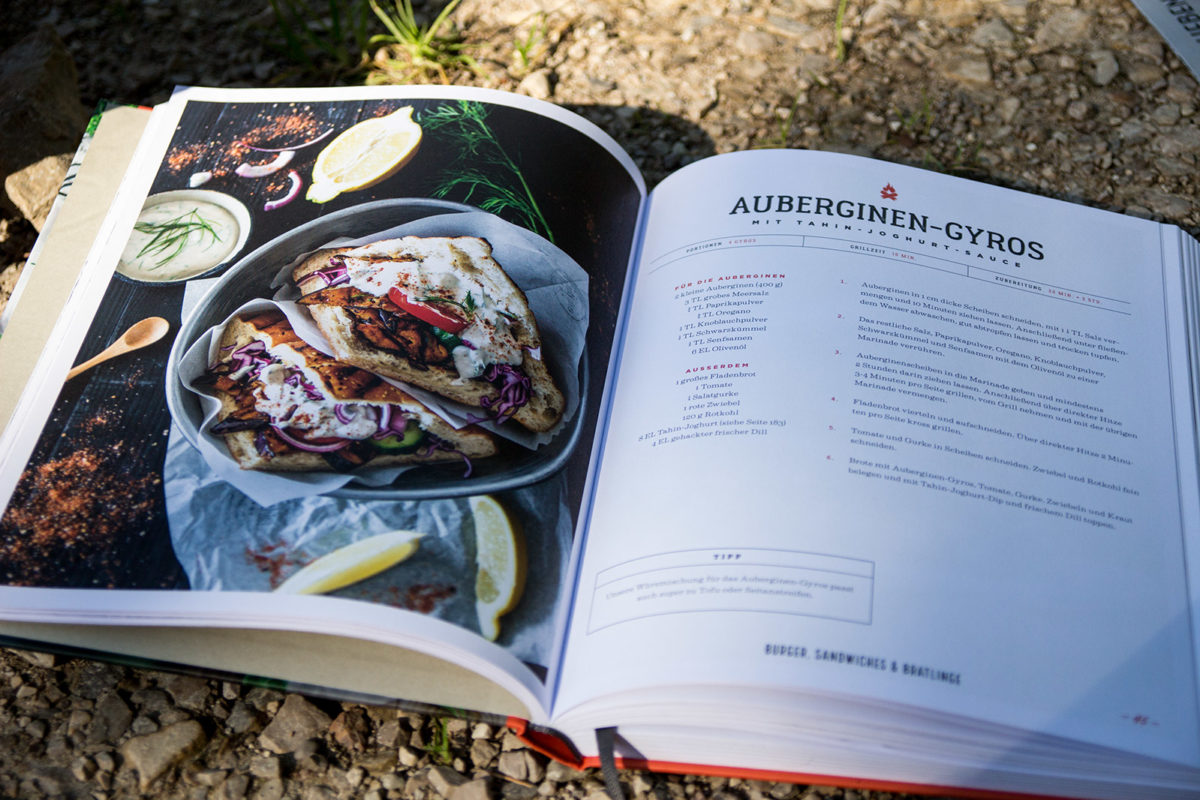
x=292, y=191
x=335, y=274
x=343, y=415
x=263, y=170
x=514, y=391
x=436, y=444
x=250, y=356
x=310, y=448
x=199, y=179
x=289, y=147
x=385, y=422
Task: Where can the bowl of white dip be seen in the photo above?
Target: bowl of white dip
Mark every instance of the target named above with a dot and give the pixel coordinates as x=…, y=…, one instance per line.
x=184, y=234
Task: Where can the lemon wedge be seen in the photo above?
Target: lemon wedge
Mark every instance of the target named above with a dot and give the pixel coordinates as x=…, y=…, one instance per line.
x=353, y=563
x=364, y=154
x=500, y=563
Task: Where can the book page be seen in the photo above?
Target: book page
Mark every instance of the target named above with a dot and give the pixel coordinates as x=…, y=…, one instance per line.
x=895, y=435
x=181, y=485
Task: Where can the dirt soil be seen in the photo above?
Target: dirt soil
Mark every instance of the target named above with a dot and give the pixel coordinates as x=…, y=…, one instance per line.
x=1077, y=99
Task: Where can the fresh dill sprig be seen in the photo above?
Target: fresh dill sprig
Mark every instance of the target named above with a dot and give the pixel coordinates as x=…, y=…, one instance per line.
x=168, y=238
x=493, y=174
x=468, y=304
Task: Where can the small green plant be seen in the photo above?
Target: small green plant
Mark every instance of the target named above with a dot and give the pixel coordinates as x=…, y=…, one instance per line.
x=427, y=50
x=839, y=20
x=527, y=48
x=323, y=37
x=919, y=122
x=964, y=161
x=785, y=125
x=439, y=747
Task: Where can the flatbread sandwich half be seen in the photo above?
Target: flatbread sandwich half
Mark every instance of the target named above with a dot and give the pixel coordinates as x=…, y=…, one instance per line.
x=286, y=406
x=438, y=313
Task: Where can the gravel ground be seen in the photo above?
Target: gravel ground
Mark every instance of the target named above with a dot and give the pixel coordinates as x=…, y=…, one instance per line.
x=1072, y=99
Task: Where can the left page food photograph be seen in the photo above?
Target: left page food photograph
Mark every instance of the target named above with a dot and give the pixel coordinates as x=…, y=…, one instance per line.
x=371, y=330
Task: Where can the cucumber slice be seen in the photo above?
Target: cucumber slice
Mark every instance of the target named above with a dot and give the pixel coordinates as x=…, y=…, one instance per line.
x=414, y=434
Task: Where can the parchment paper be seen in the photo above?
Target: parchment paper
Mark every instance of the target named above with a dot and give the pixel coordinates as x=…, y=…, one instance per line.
x=227, y=542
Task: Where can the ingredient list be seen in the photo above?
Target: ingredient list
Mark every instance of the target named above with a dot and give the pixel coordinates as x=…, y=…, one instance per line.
x=725, y=318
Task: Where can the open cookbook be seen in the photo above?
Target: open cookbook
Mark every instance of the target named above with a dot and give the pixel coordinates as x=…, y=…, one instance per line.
x=801, y=465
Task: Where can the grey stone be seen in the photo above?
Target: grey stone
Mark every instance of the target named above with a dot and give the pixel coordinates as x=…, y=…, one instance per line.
x=41, y=122
x=296, y=722
x=234, y=787
x=1144, y=73
x=242, y=719
x=1008, y=108
x=994, y=32
x=561, y=773
x=142, y=725
x=1182, y=89
x=388, y=734
x=1166, y=114
x=92, y=678
x=151, y=701
x=472, y=790
x=512, y=765
x=1064, y=27
x=208, y=777
x=187, y=691
x=154, y=754
x=443, y=779
x=83, y=768
x=267, y=700
x=270, y=789
x=537, y=85
x=1133, y=132
x=483, y=751
x=1179, y=141
x=38, y=659
x=751, y=42
x=1104, y=67
x=266, y=767
x=1079, y=110
x=974, y=70
x=535, y=769
x=350, y=729
x=392, y=782
x=407, y=756
x=111, y=718
x=1166, y=204
x=956, y=13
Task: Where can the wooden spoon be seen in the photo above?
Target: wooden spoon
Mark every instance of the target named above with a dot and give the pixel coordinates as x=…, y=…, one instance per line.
x=140, y=334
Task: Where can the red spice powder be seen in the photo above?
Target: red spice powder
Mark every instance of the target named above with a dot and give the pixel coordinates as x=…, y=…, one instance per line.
x=73, y=510
x=273, y=559
x=424, y=597
x=226, y=150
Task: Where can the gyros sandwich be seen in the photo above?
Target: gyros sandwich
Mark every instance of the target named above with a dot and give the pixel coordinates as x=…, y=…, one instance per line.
x=438, y=313
x=287, y=406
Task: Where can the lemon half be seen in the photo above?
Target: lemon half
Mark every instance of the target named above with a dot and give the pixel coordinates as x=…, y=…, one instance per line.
x=500, y=563
x=352, y=563
x=365, y=154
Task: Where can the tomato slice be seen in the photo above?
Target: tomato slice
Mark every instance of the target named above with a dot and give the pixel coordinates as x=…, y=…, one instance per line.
x=426, y=312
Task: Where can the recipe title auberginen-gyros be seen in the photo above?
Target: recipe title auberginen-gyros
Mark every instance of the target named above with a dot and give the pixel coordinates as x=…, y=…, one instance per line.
x=889, y=216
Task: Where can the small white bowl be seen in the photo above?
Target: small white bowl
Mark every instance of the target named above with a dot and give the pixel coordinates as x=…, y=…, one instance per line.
x=198, y=198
